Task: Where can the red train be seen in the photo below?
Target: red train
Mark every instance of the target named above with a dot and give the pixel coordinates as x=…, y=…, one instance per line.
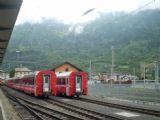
x=1, y=82
x=41, y=83
x=72, y=83
x=45, y=83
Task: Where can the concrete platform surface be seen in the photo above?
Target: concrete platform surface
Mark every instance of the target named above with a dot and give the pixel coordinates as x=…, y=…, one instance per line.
x=7, y=110
x=1, y=116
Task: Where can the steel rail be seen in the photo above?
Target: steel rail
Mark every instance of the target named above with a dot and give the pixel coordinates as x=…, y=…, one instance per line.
x=25, y=107
x=28, y=102
x=83, y=111
x=125, y=107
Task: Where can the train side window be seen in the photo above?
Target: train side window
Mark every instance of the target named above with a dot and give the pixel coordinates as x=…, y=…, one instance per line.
x=32, y=81
x=67, y=81
x=27, y=81
x=59, y=81
x=63, y=81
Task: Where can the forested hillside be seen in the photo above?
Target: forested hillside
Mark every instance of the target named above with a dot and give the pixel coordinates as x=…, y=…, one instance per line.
x=135, y=38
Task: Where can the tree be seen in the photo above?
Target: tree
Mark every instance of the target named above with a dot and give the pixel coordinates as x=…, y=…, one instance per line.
x=11, y=73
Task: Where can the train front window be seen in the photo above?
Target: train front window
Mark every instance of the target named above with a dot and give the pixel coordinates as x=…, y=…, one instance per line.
x=46, y=78
x=79, y=79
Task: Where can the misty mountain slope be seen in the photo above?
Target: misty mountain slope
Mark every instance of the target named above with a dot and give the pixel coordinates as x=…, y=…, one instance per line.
x=135, y=37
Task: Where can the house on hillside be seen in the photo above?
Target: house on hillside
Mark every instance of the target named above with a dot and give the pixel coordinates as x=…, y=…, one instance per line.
x=3, y=75
x=20, y=72
x=66, y=67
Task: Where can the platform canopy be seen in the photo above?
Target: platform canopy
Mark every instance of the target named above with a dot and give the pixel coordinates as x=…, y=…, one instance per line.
x=9, y=10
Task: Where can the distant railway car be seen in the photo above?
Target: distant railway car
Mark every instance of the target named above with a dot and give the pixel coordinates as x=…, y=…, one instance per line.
x=41, y=83
x=72, y=83
x=1, y=82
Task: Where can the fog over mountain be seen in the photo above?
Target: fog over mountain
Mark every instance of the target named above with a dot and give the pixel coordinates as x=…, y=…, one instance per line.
x=135, y=38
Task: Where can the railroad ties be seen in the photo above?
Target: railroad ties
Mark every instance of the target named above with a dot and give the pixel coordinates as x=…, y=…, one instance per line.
x=38, y=111
x=58, y=108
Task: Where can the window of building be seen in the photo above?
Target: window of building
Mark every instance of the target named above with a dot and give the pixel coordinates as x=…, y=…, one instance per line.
x=67, y=69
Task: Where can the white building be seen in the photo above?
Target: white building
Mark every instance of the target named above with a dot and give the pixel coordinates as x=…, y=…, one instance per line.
x=3, y=75
x=20, y=72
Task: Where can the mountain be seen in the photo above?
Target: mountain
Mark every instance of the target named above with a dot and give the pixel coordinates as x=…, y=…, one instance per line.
x=135, y=38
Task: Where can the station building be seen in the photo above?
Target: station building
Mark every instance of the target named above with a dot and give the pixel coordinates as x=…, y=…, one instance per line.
x=66, y=67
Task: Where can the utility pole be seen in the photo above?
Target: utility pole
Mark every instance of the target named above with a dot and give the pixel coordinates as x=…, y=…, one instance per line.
x=156, y=76
x=144, y=71
x=90, y=71
x=134, y=73
x=156, y=73
x=112, y=65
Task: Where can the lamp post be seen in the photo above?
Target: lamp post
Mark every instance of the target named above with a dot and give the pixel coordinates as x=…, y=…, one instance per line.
x=17, y=51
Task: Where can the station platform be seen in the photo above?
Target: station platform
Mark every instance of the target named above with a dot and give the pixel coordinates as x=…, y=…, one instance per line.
x=7, y=112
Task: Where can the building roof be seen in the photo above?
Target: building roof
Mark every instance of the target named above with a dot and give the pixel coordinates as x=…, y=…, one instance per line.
x=1, y=71
x=69, y=64
x=23, y=69
x=9, y=10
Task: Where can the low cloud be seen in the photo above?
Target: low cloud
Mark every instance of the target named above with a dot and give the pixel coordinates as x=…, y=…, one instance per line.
x=76, y=29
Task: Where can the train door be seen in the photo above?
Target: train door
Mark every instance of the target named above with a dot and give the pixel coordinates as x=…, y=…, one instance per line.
x=67, y=86
x=78, y=83
x=46, y=83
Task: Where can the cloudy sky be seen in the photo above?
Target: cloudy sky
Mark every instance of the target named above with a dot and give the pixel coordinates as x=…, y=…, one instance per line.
x=70, y=11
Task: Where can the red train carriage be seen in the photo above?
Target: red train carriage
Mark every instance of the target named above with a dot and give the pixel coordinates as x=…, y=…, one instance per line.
x=72, y=83
x=1, y=82
x=41, y=83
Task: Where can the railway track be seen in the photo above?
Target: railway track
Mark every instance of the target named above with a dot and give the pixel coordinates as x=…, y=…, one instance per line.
x=68, y=111
x=49, y=112
x=39, y=111
x=84, y=112
x=24, y=111
x=124, y=107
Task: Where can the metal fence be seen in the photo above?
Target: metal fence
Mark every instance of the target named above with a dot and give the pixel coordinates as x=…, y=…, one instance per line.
x=138, y=91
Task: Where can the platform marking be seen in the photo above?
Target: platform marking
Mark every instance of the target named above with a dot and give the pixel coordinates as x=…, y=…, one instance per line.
x=66, y=100
x=127, y=114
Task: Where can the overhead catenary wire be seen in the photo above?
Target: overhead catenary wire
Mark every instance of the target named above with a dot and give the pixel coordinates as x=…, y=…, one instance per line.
x=144, y=6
